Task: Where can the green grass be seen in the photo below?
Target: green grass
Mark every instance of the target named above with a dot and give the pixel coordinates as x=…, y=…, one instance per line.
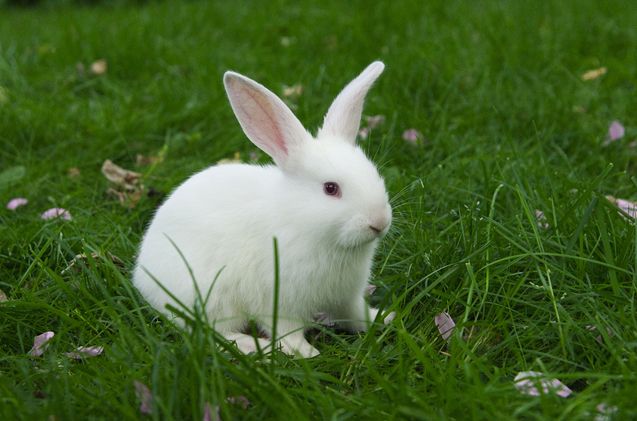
x=510, y=128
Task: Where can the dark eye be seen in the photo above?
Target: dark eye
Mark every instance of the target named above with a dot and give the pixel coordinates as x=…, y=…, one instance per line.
x=332, y=189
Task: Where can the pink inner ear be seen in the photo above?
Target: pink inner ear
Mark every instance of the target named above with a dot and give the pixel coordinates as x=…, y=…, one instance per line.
x=275, y=134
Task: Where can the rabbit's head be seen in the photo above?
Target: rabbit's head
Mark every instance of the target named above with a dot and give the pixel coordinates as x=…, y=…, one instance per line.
x=328, y=179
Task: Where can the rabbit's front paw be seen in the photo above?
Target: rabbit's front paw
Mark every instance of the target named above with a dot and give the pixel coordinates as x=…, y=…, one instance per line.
x=299, y=349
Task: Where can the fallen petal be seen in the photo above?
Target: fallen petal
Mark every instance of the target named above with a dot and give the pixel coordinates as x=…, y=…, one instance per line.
x=16, y=203
x=363, y=133
x=40, y=343
x=145, y=397
x=85, y=352
x=599, y=338
x=211, y=413
x=445, y=325
x=240, y=401
x=56, y=213
x=541, y=219
x=594, y=73
x=293, y=91
x=616, y=131
x=389, y=318
x=3, y=296
x=605, y=412
x=527, y=381
x=99, y=67
x=374, y=121
x=412, y=136
x=624, y=205
x=370, y=289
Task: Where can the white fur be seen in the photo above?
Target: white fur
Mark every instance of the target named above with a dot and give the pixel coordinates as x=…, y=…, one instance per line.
x=223, y=220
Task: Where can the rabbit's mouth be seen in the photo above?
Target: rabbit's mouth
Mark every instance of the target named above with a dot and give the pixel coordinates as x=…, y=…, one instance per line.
x=362, y=233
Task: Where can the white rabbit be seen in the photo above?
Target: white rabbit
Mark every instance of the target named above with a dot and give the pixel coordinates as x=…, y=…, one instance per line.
x=324, y=201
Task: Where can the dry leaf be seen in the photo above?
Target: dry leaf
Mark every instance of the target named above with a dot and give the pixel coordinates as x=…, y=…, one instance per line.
x=527, y=382
x=126, y=199
x=594, y=73
x=128, y=188
x=445, y=325
x=40, y=343
x=73, y=172
x=142, y=160
x=95, y=256
x=236, y=159
x=3, y=296
x=99, y=67
x=120, y=176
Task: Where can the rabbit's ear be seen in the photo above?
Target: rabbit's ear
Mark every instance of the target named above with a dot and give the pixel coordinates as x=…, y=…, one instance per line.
x=265, y=119
x=344, y=116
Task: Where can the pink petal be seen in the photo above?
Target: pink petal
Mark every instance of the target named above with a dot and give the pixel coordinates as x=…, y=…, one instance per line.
x=412, y=135
x=85, y=352
x=445, y=325
x=616, y=131
x=541, y=219
x=145, y=397
x=211, y=413
x=40, y=344
x=374, y=121
x=240, y=400
x=625, y=205
x=16, y=203
x=56, y=213
x=363, y=133
x=370, y=289
x=605, y=412
x=527, y=382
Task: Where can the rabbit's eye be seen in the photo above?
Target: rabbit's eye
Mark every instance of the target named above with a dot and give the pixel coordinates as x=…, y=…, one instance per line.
x=331, y=189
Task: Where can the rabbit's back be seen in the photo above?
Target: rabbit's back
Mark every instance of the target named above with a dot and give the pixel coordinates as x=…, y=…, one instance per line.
x=215, y=219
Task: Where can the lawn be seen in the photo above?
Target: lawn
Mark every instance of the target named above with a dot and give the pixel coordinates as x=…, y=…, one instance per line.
x=508, y=123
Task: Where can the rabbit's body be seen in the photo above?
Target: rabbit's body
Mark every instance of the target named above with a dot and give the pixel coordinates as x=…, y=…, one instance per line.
x=215, y=232
x=244, y=286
